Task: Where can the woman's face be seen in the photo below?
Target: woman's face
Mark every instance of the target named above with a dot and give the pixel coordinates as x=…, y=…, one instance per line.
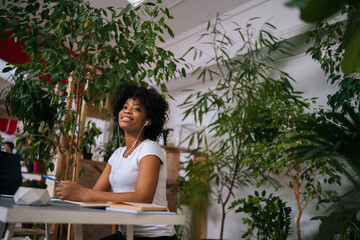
x=7, y=148
x=132, y=117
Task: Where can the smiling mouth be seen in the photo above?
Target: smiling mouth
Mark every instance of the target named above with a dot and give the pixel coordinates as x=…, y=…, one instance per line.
x=126, y=118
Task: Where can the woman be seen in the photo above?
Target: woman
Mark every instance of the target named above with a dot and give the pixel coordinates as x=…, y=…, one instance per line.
x=136, y=172
x=8, y=147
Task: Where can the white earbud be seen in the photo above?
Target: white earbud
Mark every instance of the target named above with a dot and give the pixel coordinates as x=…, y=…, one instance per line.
x=146, y=122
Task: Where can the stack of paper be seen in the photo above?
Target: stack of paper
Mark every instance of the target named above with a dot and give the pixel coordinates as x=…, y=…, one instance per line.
x=145, y=208
x=126, y=207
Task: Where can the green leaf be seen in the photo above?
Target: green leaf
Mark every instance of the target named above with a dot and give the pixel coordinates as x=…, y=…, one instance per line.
x=142, y=48
x=317, y=10
x=351, y=61
x=7, y=69
x=183, y=72
x=297, y=3
x=170, y=32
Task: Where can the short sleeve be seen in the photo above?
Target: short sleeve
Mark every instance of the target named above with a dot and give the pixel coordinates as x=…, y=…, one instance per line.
x=152, y=148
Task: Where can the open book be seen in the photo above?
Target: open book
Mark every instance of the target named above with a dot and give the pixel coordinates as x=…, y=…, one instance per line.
x=123, y=210
x=116, y=205
x=138, y=206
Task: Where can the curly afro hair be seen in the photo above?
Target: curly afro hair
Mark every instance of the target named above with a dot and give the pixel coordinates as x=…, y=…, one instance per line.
x=156, y=107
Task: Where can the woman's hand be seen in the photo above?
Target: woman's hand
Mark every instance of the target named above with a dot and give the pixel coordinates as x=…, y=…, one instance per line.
x=70, y=190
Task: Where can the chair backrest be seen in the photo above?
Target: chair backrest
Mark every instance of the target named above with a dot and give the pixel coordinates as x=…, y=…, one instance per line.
x=10, y=173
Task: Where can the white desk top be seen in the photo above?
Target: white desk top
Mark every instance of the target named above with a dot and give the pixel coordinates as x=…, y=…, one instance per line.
x=65, y=213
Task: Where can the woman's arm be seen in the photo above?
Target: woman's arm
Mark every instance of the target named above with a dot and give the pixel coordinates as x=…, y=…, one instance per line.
x=103, y=183
x=73, y=191
x=145, y=186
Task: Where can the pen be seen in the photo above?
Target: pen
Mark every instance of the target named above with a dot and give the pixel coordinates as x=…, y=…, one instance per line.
x=52, y=179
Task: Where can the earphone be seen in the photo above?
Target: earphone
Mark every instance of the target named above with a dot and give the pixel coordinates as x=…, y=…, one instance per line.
x=119, y=135
x=136, y=139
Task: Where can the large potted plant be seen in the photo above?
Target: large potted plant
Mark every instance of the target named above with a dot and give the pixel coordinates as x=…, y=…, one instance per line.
x=336, y=135
x=78, y=54
x=271, y=158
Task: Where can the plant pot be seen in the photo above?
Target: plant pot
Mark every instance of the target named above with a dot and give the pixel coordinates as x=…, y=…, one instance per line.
x=30, y=167
x=32, y=196
x=87, y=155
x=38, y=167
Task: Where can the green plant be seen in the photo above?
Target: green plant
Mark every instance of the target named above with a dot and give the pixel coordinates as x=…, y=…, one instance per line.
x=341, y=224
x=271, y=157
x=90, y=133
x=327, y=49
x=194, y=192
x=80, y=53
x=34, y=184
x=335, y=134
x=269, y=215
x=315, y=11
x=245, y=81
x=31, y=103
x=108, y=148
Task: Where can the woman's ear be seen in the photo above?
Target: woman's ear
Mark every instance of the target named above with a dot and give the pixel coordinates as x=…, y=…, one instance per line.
x=148, y=122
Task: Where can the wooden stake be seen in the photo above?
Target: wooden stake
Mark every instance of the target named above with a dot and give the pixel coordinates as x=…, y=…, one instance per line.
x=60, y=167
x=77, y=166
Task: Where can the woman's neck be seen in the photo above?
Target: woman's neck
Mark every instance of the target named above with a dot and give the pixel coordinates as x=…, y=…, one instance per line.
x=131, y=143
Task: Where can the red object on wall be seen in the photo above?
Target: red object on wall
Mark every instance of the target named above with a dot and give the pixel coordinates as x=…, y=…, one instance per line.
x=8, y=126
x=11, y=51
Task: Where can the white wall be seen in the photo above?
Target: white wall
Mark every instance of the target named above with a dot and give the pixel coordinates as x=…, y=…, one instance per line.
x=309, y=79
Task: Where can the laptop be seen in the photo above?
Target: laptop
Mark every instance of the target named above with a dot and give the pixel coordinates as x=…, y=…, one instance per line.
x=10, y=173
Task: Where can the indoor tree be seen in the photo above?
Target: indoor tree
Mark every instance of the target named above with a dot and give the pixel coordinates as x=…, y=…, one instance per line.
x=336, y=134
x=272, y=160
x=79, y=53
x=245, y=77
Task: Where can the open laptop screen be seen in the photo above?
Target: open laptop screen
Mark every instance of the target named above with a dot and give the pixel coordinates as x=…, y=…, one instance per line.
x=10, y=173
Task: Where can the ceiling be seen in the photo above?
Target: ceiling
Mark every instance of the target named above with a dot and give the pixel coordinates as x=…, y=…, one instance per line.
x=187, y=13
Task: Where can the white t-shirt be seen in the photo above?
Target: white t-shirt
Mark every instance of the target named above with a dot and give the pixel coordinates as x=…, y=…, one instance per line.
x=123, y=176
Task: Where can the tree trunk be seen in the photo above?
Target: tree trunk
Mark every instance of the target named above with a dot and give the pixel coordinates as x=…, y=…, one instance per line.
x=298, y=224
x=222, y=222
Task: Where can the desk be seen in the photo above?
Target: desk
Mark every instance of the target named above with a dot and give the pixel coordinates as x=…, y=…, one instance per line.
x=12, y=213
